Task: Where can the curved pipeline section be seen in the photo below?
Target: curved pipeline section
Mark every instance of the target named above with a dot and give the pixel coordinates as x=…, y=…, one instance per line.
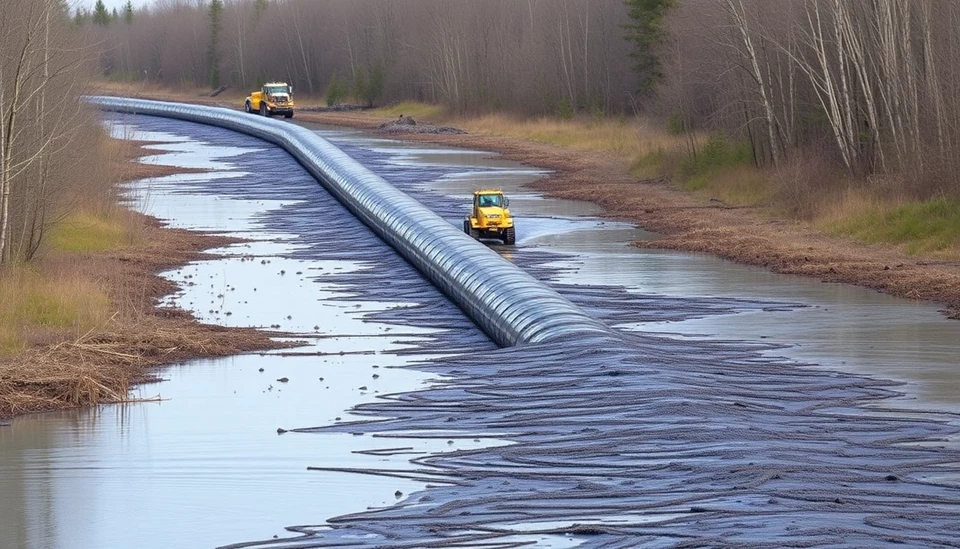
x=508, y=304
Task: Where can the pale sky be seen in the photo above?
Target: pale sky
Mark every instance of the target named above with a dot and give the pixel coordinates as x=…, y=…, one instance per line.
x=88, y=4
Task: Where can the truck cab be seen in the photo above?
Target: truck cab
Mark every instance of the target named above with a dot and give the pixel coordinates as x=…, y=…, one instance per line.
x=490, y=217
x=273, y=98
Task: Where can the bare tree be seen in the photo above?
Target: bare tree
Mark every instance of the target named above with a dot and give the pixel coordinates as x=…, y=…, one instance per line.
x=39, y=82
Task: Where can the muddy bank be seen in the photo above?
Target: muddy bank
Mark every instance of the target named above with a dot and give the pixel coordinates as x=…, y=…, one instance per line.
x=743, y=235
x=100, y=366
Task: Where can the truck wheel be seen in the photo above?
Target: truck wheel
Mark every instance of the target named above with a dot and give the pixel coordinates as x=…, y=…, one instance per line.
x=263, y=110
x=288, y=115
x=510, y=236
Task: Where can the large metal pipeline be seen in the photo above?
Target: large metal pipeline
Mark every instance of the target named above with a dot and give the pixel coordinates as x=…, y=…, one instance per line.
x=508, y=304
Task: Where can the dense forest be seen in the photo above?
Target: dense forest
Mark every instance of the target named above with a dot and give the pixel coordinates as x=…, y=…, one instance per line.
x=528, y=56
x=869, y=86
x=815, y=90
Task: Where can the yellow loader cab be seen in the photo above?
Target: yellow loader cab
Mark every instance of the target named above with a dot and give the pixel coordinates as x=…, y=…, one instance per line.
x=274, y=98
x=490, y=217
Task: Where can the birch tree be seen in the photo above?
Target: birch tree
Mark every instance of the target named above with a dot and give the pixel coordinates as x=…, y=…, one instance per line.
x=38, y=92
x=748, y=49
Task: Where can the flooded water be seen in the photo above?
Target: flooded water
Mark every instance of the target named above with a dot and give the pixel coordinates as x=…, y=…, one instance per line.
x=836, y=326
x=205, y=466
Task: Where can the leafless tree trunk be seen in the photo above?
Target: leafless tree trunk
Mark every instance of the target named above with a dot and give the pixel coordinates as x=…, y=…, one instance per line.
x=38, y=109
x=738, y=14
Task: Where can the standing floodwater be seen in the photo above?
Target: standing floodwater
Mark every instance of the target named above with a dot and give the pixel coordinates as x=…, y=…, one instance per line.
x=649, y=439
x=837, y=326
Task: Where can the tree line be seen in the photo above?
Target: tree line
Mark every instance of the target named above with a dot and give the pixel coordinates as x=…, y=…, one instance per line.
x=869, y=84
x=529, y=55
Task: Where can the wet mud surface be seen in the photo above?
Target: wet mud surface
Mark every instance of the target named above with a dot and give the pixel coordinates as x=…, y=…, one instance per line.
x=626, y=441
x=644, y=440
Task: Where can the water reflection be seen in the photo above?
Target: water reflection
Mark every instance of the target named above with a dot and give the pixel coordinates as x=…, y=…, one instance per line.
x=839, y=326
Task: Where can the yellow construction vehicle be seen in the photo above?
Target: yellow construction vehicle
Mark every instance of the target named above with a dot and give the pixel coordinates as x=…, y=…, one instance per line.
x=273, y=98
x=490, y=217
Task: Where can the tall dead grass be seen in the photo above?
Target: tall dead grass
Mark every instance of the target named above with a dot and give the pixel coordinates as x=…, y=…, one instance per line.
x=37, y=306
x=642, y=146
x=100, y=366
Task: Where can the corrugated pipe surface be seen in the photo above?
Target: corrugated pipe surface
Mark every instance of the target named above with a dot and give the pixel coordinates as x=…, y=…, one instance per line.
x=511, y=306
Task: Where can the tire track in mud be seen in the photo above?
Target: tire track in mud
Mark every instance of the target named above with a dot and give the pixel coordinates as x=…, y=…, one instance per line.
x=618, y=443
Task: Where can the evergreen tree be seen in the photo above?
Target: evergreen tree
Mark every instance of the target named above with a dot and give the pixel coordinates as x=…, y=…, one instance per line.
x=646, y=31
x=213, y=54
x=80, y=17
x=376, y=83
x=337, y=91
x=100, y=14
x=360, y=85
x=259, y=6
x=128, y=12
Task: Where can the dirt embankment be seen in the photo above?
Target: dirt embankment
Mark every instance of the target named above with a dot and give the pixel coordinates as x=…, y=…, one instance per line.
x=100, y=366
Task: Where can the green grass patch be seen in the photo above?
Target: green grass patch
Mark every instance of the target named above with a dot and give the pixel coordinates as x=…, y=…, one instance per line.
x=49, y=311
x=931, y=226
x=741, y=186
x=724, y=170
x=32, y=304
x=82, y=232
x=716, y=154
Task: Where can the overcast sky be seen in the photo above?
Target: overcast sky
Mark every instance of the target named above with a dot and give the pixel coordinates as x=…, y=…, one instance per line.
x=111, y=4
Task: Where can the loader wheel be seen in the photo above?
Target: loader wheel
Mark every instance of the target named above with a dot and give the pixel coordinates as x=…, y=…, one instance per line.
x=510, y=236
x=288, y=115
x=466, y=226
x=263, y=110
x=246, y=107
x=474, y=233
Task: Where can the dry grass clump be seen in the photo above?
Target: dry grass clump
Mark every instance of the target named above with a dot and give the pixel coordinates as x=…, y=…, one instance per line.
x=78, y=325
x=630, y=140
x=100, y=366
x=634, y=141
